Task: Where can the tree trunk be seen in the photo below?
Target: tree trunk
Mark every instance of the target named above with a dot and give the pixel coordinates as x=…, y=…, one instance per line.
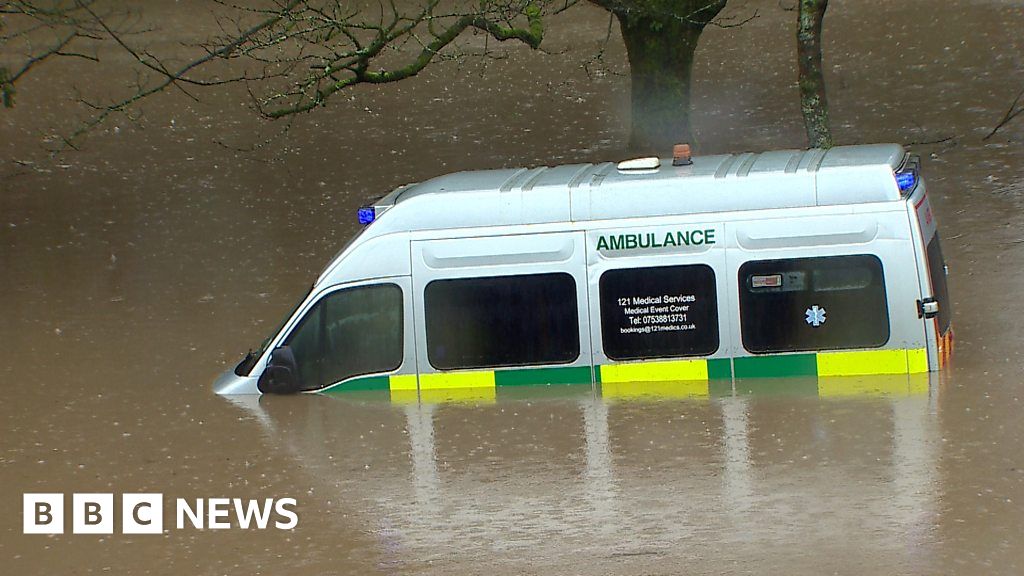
x=660, y=43
x=813, y=103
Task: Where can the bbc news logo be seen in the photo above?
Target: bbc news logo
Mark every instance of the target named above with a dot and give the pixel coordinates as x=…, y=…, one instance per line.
x=93, y=513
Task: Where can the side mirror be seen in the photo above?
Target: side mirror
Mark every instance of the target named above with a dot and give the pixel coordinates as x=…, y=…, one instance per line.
x=282, y=373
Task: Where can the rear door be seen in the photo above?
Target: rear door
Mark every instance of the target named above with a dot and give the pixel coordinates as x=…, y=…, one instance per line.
x=501, y=310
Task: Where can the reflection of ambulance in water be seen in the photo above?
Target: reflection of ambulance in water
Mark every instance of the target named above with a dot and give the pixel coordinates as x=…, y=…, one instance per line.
x=787, y=263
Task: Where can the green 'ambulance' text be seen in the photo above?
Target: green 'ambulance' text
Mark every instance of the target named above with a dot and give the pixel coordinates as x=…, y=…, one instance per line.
x=653, y=240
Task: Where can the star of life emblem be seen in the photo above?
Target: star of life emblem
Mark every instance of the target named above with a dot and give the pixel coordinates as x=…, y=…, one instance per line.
x=815, y=316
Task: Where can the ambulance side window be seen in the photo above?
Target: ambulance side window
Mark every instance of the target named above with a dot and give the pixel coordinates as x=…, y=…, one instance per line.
x=502, y=321
x=818, y=303
x=661, y=312
x=350, y=332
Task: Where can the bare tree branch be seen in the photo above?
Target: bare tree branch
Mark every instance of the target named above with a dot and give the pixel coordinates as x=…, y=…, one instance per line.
x=321, y=48
x=179, y=75
x=26, y=24
x=1012, y=112
x=293, y=55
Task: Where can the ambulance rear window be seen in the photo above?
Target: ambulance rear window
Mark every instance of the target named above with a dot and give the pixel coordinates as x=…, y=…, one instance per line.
x=502, y=321
x=822, y=303
x=937, y=273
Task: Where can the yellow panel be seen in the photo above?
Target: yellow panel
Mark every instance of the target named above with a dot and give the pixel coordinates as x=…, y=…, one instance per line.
x=443, y=395
x=874, y=385
x=654, y=390
x=655, y=371
x=917, y=360
x=403, y=382
x=862, y=362
x=438, y=380
x=399, y=396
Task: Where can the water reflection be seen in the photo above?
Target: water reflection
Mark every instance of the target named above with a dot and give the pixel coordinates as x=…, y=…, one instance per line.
x=612, y=472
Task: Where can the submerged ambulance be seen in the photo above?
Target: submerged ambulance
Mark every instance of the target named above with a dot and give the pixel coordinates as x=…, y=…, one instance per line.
x=784, y=263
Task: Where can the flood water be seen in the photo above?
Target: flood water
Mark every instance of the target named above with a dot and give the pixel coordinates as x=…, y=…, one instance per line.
x=135, y=270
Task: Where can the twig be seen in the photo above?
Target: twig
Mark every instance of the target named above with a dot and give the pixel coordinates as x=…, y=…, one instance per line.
x=928, y=142
x=1011, y=113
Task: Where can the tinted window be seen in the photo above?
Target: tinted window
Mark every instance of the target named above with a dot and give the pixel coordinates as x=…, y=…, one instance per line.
x=813, y=304
x=659, y=312
x=348, y=333
x=502, y=321
x=937, y=272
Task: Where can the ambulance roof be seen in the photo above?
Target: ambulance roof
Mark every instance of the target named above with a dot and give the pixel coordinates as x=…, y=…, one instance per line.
x=579, y=192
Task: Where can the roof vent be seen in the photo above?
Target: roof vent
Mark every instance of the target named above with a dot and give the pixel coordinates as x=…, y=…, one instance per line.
x=649, y=163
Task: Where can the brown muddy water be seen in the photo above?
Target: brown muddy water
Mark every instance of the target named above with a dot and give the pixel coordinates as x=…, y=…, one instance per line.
x=135, y=270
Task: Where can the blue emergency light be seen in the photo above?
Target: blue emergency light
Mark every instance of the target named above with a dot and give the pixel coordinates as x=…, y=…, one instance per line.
x=906, y=180
x=367, y=215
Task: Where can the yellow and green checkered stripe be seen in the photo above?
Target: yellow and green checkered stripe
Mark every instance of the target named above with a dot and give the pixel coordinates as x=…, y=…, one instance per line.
x=825, y=364
x=662, y=378
x=660, y=371
x=482, y=385
x=499, y=378
x=395, y=382
x=820, y=364
x=466, y=380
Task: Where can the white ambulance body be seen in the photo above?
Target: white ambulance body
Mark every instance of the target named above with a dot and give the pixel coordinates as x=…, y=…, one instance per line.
x=786, y=263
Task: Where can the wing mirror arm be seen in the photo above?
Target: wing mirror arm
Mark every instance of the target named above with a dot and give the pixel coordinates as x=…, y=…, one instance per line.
x=281, y=375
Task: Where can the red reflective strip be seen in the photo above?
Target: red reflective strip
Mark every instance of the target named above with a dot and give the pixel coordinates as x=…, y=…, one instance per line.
x=945, y=348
